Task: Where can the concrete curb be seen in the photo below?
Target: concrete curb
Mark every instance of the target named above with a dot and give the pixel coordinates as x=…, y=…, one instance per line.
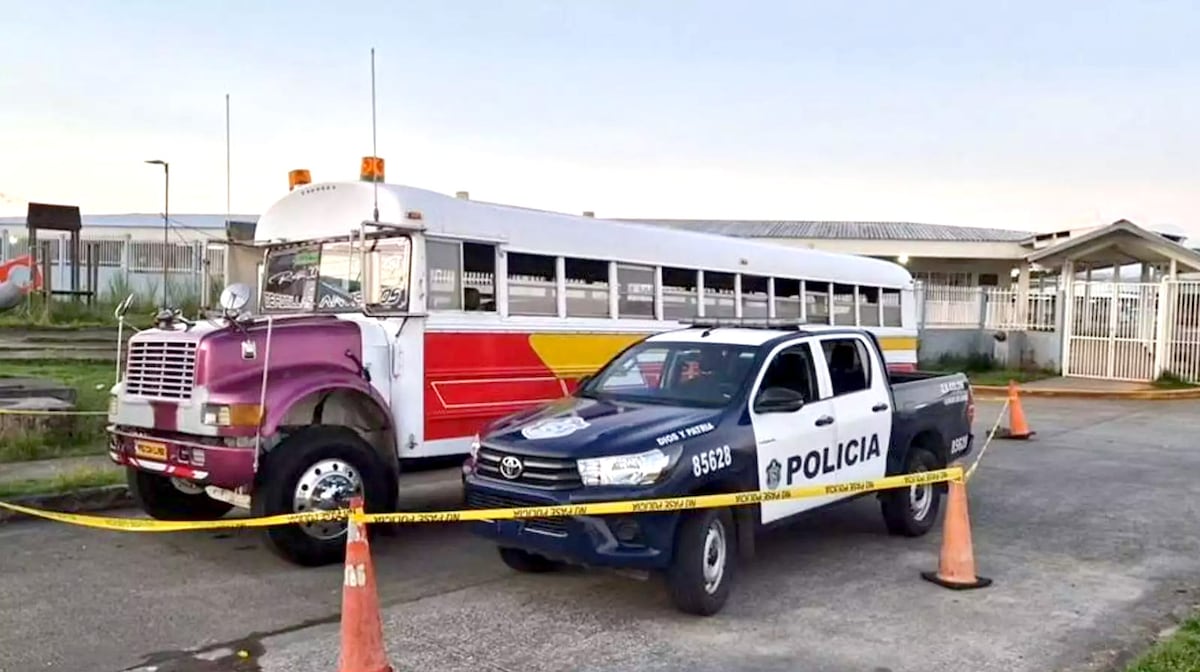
x=78, y=501
x=999, y=392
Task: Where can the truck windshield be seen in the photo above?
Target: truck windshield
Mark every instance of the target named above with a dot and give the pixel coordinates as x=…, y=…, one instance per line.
x=326, y=277
x=679, y=374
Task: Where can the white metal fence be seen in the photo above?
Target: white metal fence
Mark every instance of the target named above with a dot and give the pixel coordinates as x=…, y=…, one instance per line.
x=952, y=307
x=122, y=265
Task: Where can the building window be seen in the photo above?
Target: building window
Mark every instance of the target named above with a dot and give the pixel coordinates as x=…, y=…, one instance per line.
x=719, y=298
x=532, y=284
x=587, y=287
x=679, y=293
x=754, y=296
x=635, y=287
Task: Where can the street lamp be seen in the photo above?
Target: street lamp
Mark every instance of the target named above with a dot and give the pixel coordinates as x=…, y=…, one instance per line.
x=166, y=221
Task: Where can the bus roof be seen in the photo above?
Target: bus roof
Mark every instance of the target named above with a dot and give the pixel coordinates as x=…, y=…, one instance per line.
x=334, y=209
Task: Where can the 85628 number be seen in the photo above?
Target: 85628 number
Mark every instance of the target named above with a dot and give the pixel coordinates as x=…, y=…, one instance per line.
x=709, y=461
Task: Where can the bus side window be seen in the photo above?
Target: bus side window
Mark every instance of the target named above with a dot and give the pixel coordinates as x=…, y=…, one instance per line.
x=479, y=277
x=532, y=284
x=892, y=315
x=816, y=294
x=443, y=261
x=679, y=293
x=843, y=305
x=635, y=291
x=587, y=287
x=787, y=299
x=868, y=307
x=718, y=294
x=754, y=296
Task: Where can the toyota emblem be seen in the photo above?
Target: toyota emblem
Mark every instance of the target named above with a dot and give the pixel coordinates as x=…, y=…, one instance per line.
x=511, y=467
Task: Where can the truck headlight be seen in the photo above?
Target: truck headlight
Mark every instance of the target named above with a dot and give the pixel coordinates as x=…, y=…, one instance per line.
x=475, y=447
x=231, y=415
x=636, y=469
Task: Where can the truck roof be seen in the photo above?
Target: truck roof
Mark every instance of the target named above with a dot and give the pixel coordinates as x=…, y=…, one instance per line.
x=739, y=332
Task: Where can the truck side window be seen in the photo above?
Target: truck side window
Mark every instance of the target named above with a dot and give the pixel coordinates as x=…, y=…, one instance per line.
x=849, y=366
x=793, y=368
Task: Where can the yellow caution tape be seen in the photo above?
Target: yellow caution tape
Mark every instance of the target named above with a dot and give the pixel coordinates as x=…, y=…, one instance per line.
x=686, y=503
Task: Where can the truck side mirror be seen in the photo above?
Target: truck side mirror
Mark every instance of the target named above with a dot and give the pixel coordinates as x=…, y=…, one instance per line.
x=778, y=400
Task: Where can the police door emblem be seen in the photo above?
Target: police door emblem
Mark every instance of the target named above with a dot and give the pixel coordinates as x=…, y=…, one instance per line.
x=773, y=471
x=511, y=467
x=553, y=428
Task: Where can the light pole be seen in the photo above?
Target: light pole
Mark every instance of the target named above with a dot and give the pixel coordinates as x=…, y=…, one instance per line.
x=166, y=221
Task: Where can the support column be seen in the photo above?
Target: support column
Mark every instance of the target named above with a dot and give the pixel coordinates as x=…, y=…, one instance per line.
x=1023, y=312
x=1067, y=313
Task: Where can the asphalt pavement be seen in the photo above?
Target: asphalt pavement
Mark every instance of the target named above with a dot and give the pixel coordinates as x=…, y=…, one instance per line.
x=1089, y=532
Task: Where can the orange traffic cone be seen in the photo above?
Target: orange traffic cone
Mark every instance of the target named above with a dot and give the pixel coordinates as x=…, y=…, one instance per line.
x=1017, y=427
x=956, y=563
x=362, y=631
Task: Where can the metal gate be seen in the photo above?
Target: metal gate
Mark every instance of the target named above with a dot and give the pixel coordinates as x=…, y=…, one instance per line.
x=1113, y=330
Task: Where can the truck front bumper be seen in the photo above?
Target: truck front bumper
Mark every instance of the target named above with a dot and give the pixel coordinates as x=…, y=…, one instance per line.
x=206, y=460
x=623, y=541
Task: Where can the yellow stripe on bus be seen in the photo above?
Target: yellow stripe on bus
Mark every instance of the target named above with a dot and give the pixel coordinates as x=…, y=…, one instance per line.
x=893, y=343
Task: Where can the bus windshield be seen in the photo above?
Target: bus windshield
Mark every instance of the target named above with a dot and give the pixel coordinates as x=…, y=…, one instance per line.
x=327, y=277
x=678, y=374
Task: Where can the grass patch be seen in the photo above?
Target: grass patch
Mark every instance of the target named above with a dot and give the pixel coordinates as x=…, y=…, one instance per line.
x=69, y=482
x=982, y=370
x=92, y=381
x=1169, y=381
x=1180, y=653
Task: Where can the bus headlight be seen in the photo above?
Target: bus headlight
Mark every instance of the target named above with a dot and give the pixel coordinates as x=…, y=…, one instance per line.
x=113, y=405
x=636, y=469
x=231, y=415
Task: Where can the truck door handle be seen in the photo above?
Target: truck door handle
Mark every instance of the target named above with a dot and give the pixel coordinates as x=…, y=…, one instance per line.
x=824, y=420
x=879, y=408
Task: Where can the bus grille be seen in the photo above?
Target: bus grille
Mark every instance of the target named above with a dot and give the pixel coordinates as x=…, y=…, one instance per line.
x=536, y=472
x=161, y=369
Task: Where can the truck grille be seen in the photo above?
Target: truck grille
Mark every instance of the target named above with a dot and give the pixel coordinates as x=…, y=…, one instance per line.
x=161, y=369
x=487, y=500
x=536, y=472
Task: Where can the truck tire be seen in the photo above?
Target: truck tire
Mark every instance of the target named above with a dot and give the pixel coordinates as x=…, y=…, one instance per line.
x=526, y=562
x=162, y=499
x=912, y=511
x=704, y=561
x=318, y=468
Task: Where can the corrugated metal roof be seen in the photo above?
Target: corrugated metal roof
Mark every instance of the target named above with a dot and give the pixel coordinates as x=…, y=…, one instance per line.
x=843, y=230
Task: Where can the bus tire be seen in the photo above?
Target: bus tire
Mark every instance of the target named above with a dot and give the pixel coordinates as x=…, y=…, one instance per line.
x=318, y=468
x=912, y=511
x=526, y=562
x=162, y=499
x=702, y=569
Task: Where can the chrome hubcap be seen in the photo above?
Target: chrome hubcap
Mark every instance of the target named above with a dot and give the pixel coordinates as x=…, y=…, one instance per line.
x=920, y=499
x=327, y=485
x=714, y=556
x=186, y=487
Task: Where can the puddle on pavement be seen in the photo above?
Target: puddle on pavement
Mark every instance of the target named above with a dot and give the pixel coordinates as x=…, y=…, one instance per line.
x=240, y=656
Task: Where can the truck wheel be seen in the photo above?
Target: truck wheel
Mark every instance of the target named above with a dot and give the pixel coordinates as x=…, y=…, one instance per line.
x=526, y=562
x=318, y=469
x=912, y=511
x=702, y=569
x=171, y=499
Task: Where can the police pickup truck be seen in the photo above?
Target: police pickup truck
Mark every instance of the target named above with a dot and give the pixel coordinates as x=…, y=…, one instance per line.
x=711, y=409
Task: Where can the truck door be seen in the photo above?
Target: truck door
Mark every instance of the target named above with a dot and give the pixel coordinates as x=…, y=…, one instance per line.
x=785, y=437
x=862, y=406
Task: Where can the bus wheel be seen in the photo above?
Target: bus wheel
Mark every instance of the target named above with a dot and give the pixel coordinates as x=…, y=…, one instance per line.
x=318, y=469
x=702, y=569
x=172, y=499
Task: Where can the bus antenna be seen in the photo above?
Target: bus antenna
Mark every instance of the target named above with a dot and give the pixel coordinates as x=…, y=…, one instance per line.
x=374, y=146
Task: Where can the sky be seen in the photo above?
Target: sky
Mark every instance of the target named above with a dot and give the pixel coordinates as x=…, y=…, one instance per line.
x=1031, y=115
